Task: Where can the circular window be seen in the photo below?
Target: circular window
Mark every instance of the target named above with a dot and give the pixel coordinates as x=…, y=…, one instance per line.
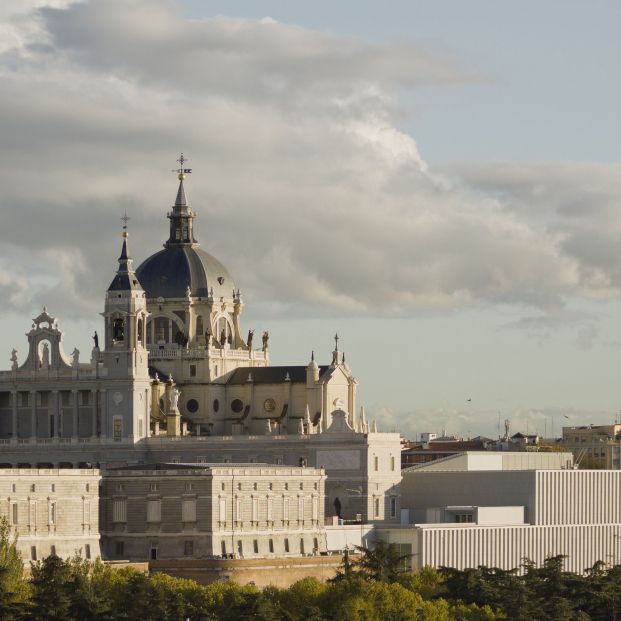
x=216, y=405
x=269, y=405
x=192, y=406
x=237, y=405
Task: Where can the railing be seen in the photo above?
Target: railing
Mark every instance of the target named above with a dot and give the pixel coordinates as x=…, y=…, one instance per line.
x=167, y=353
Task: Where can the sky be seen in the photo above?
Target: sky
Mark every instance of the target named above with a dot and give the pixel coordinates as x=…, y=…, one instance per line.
x=438, y=182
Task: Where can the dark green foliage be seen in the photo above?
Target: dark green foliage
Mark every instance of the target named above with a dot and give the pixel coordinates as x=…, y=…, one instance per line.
x=372, y=586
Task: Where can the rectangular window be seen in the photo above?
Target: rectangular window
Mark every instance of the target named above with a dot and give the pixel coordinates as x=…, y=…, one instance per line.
x=255, y=546
x=375, y=463
x=119, y=548
x=33, y=553
x=271, y=546
x=240, y=548
x=393, y=507
x=51, y=513
x=53, y=487
x=300, y=508
x=192, y=370
x=302, y=547
x=315, y=545
x=87, y=551
x=255, y=509
x=392, y=463
x=270, y=509
x=13, y=487
x=52, y=550
x=463, y=518
x=286, y=545
x=14, y=514
x=119, y=511
x=117, y=429
x=223, y=547
x=238, y=510
x=188, y=511
x=222, y=509
x=285, y=509
x=188, y=548
x=376, y=508
x=154, y=511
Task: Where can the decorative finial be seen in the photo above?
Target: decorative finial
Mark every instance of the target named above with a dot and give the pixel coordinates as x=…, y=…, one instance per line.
x=336, y=342
x=313, y=355
x=125, y=219
x=181, y=171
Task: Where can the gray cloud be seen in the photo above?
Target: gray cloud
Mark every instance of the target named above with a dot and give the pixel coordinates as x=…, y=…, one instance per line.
x=304, y=185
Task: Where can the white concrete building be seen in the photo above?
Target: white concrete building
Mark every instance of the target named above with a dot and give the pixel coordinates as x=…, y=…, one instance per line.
x=497, y=509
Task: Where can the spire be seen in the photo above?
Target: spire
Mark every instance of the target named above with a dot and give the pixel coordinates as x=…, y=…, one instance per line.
x=181, y=217
x=125, y=279
x=336, y=354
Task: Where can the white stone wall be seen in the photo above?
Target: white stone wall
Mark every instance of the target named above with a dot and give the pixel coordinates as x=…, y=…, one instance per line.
x=190, y=512
x=52, y=511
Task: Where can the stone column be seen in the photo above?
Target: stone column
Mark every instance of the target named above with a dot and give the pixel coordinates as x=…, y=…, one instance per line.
x=56, y=412
x=94, y=397
x=14, y=413
x=74, y=431
x=103, y=424
x=33, y=414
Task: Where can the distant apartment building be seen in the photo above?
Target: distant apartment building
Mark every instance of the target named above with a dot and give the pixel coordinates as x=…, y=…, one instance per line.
x=52, y=511
x=205, y=511
x=597, y=446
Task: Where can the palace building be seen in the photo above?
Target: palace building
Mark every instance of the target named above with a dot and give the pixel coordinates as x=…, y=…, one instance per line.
x=175, y=379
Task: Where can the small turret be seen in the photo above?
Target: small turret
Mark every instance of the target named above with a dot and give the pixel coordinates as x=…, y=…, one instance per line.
x=312, y=371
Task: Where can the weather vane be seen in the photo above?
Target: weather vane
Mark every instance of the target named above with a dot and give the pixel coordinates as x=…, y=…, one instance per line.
x=182, y=171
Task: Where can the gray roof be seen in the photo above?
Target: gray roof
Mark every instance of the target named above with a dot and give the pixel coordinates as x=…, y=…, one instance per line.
x=271, y=375
x=125, y=279
x=169, y=273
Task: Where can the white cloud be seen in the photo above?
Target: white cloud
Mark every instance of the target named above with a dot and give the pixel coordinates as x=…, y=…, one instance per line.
x=304, y=184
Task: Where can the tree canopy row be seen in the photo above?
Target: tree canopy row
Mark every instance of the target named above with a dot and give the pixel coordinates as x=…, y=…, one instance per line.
x=373, y=585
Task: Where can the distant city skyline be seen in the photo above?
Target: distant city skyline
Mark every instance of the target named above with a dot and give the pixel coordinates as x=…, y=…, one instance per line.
x=436, y=182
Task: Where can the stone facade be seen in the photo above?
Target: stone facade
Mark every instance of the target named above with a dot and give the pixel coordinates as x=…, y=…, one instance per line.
x=174, y=379
x=52, y=511
x=176, y=511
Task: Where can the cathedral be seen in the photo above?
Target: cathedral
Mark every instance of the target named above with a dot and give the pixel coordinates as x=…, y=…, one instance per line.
x=175, y=378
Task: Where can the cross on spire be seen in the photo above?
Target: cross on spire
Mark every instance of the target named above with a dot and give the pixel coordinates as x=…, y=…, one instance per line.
x=182, y=160
x=125, y=219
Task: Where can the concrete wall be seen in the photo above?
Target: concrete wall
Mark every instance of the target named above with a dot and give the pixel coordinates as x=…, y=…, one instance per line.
x=463, y=546
x=422, y=490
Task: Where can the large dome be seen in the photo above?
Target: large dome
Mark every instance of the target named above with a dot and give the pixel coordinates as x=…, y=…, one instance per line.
x=170, y=272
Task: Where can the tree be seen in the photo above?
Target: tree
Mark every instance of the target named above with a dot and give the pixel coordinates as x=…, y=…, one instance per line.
x=382, y=563
x=14, y=590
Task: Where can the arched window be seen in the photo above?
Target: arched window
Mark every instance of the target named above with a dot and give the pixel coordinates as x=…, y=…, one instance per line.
x=199, y=326
x=224, y=332
x=140, y=332
x=118, y=329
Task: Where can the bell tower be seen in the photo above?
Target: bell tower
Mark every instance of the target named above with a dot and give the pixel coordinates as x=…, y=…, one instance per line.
x=125, y=355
